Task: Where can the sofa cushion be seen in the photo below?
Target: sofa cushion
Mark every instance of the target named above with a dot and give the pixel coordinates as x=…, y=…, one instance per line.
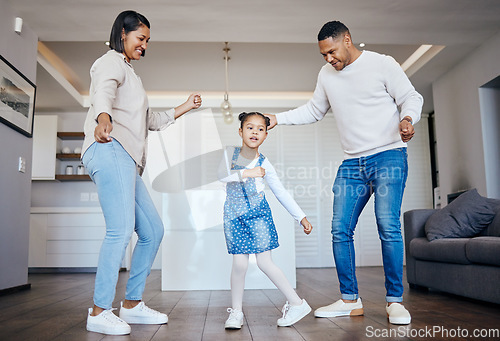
x=464, y=217
x=494, y=228
x=440, y=250
x=484, y=250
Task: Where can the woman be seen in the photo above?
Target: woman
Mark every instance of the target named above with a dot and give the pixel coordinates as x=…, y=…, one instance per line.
x=114, y=153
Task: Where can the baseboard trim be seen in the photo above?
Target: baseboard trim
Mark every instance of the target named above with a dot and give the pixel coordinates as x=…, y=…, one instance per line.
x=65, y=270
x=12, y=290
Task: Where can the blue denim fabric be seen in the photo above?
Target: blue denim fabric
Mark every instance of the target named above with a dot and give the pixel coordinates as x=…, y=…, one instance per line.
x=126, y=206
x=383, y=174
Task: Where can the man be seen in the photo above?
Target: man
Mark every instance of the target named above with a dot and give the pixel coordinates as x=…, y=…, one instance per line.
x=364, y=89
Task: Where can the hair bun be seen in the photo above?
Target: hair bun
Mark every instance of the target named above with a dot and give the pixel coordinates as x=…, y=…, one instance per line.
x=242, y=116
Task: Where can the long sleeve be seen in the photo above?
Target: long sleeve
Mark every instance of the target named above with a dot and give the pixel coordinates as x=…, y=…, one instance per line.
x=281, y=193
x=107, y=75
x=400, y=88
x=160, y=120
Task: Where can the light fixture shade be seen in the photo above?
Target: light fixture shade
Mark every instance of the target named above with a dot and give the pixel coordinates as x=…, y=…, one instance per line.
x=228, y=119
x=226, y=107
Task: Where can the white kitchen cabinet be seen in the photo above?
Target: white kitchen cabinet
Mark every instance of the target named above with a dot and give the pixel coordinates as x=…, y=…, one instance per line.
x=67, y=237
x=44, y=147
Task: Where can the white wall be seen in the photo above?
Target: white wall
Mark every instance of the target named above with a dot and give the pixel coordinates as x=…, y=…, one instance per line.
x=459, y=136
x=490, y=115
x=15, y=187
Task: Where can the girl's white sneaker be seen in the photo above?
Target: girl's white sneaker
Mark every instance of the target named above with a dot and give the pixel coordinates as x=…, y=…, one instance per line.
x=293, y=314
x=235, y=319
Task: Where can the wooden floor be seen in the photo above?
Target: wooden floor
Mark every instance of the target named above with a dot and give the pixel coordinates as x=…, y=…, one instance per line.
x=55, y=309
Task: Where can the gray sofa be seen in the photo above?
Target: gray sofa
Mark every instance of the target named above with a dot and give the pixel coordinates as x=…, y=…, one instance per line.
x=467, y=267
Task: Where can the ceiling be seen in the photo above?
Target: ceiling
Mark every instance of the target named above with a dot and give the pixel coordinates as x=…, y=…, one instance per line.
x=273, y=42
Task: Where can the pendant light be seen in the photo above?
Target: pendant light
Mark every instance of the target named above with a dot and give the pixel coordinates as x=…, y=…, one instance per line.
x=226, y=109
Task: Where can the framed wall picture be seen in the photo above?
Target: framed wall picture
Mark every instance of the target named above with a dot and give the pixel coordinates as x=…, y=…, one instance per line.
x=17, y=99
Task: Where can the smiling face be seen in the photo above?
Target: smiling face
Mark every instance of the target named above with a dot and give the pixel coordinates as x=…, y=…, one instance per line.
x=135, y=43
x=338, y=52
x=254, y=131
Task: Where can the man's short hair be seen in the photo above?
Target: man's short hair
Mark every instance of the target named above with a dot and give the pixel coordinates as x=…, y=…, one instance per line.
x=333, y=29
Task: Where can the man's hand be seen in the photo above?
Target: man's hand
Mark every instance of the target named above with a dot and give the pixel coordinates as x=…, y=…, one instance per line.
x=406, y=129
x=104, y=127
x=273, y=120
x=257, y=172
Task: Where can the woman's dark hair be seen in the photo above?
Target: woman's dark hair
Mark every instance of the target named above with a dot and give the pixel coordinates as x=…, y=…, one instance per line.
x=245, y=115
x=332, y=29
x=126, y=21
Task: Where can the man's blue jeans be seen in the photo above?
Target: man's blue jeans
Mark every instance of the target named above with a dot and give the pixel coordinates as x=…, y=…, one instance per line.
x=126, y=206
x=383, y=174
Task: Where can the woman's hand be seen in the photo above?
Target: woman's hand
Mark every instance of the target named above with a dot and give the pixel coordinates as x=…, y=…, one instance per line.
x=195, y=99
x=307, y=225
x=257, y=172
x=104, y=127
x=193, y=102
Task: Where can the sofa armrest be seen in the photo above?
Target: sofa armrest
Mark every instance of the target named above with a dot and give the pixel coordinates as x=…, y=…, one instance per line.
x=414, y=227
x=414, y=223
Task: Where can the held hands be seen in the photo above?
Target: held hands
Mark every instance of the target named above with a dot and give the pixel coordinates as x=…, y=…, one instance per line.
x=406, y=129
x=307, y=225
x=257, y=172
x=104, y=127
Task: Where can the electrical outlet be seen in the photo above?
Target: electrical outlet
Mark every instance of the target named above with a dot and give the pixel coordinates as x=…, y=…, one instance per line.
x=21, y=165
x=94, y=196
x=84, y=196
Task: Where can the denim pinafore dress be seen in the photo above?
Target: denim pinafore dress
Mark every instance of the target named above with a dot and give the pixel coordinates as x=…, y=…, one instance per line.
x=248, y=223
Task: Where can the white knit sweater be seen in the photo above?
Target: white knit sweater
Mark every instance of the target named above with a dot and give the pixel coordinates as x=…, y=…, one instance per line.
x=364, y=98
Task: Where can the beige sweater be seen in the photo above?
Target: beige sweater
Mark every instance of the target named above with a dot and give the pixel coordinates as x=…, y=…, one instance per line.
x=115, y=89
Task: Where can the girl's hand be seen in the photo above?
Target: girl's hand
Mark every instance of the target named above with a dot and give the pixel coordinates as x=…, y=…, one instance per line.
x=257, y=172
x=307, y=225
x=194, y=101
x=104, y=127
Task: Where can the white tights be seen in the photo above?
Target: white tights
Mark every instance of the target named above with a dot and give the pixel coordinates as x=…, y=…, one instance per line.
x=267, y=266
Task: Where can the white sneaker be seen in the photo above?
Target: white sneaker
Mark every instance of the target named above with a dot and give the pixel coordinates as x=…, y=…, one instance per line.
x=398, y=314
x=235, y=319
x=107, y=323
x=340, y=308
x=293, y=314
x=142, y=314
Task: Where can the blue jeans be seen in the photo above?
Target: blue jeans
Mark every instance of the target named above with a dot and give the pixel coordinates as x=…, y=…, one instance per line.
x=126, y=206
x=383, y=174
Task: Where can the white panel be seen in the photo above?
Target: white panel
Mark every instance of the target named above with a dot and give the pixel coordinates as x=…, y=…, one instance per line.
x=44, y=147
x=38, y=236
x=65, y=239
x=194, y=255
x=72, y=260
x=76, y=219
x=82, y=247
x=76, y=233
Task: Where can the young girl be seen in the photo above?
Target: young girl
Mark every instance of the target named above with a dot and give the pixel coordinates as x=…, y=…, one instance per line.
x=248, y=223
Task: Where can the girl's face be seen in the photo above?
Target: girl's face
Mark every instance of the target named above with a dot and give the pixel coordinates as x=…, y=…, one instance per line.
x=254, y=131
x=135, y=43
